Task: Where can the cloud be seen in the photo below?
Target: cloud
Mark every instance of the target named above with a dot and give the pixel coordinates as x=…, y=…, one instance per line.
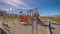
x=6, y=9
x=16, y=3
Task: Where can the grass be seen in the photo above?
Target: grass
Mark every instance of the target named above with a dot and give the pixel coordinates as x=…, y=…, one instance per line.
x=1, y=19
x=57, y=20
x=42, y=18
x=8, y=19
x=1, y=31
x=51, y=18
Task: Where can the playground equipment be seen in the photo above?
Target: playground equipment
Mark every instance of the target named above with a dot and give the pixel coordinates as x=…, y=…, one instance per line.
x=36, y=16
x=23, y=18
x=30, y=17
x=32, y=14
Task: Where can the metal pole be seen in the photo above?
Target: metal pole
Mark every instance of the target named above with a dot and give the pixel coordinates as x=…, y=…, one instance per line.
x=34, y=27
x=50, y=27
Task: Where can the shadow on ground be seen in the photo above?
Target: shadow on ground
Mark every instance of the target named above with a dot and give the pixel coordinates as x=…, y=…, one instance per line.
x=56, y=23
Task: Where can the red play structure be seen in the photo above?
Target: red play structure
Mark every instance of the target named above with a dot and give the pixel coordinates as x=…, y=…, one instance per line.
x=24, y=19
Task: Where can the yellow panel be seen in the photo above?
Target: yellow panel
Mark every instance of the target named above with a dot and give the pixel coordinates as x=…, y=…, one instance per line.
x=31, y=10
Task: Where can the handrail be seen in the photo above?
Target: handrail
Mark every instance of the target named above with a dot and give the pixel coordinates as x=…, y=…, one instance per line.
x=4, y=30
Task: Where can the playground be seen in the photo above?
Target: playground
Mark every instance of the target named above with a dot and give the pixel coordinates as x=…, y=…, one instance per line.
x=29, y=23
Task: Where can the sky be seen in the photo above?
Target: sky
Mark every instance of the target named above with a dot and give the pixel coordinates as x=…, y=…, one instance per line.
x=45, y=7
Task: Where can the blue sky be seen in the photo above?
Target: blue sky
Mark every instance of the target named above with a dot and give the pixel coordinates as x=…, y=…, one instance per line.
x=45, y=7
